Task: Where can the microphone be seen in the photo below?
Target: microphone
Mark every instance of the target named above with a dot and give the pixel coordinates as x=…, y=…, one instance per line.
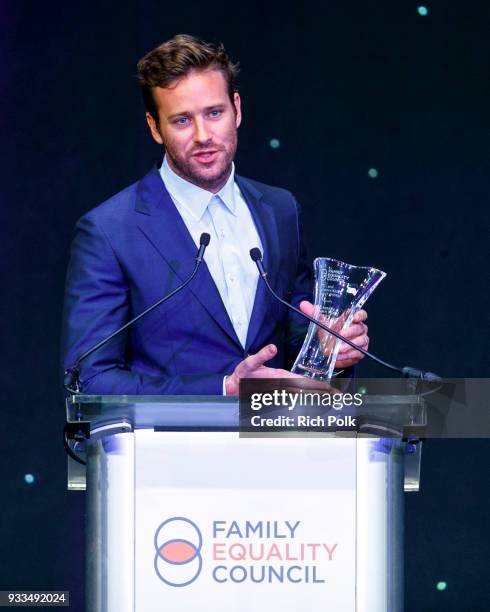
x=71, y=378
x=204, y=241
x=407, y=372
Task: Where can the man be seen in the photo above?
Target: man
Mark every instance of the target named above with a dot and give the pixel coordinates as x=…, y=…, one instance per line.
x=141, y=244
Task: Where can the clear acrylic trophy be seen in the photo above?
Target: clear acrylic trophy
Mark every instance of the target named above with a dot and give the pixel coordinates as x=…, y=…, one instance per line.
x=340, y=291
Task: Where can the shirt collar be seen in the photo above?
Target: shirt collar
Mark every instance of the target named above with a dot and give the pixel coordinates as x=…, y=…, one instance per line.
x=193, y=198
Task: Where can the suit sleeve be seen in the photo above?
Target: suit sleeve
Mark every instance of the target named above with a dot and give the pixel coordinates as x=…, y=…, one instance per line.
x=96, y=304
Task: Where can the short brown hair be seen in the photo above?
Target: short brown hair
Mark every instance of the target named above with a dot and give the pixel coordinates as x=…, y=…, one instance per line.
x=175, y=59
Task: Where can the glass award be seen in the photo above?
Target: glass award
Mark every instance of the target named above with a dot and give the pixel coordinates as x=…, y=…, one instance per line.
x=341, y=289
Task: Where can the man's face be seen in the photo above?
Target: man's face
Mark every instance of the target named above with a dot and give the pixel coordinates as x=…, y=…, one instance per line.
x=197, y=124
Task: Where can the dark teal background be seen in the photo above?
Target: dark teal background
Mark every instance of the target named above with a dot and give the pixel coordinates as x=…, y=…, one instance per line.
x=345, y=87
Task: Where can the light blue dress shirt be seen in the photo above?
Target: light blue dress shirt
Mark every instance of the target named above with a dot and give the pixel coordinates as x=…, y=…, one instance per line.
x=226, y=217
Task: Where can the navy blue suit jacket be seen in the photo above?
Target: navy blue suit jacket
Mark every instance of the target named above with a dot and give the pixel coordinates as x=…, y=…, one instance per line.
x=133, y=249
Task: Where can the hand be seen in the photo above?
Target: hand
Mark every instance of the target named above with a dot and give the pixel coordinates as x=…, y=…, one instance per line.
x=357, y=332
x=253, y=367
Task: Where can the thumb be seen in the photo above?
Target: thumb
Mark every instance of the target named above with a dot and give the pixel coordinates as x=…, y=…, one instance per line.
x=307, y=308
x=253, y=362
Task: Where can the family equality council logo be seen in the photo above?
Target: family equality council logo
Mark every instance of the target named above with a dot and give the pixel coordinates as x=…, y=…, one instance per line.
x=178, y=543
x=253, y=551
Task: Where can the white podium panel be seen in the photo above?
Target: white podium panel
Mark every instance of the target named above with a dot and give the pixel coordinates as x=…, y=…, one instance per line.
x=244, y=523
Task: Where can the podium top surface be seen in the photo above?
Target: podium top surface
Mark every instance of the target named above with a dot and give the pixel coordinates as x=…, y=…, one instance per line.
x=210, y=412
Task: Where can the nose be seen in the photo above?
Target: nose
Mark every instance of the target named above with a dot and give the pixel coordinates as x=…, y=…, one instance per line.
x=201, y=133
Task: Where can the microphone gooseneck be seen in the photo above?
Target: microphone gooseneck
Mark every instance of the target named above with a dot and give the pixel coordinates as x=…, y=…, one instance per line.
x=407, y=372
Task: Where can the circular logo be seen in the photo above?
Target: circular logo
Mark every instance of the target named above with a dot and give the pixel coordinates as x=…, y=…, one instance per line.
x=178, y=560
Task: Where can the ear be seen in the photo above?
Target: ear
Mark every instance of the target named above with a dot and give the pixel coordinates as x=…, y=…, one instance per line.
x=153, y=129
x=238, y=109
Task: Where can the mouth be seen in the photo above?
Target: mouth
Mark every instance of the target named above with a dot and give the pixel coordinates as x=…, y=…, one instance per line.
x=206, y=156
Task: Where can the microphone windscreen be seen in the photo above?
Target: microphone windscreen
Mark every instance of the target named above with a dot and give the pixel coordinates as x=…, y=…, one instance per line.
x=255, y=254
x=204, y=239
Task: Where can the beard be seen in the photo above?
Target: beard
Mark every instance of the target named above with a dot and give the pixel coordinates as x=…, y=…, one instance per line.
x=212, y=178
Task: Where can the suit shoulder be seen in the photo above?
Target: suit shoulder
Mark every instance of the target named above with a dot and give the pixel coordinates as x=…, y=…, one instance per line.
x=114, y=208
x=269, y=192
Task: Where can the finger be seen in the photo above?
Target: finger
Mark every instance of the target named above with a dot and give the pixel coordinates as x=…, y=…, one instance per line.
x=351, y=355
x=307, y=308
x=345, y=363
x=360, y=316
x=348, y=359
x=312, y=310
x=354, y=330
x=362, y=341
x=256, y=361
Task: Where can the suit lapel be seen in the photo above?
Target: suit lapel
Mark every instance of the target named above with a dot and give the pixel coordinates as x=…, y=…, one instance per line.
x=265, y=222
x=161, y=223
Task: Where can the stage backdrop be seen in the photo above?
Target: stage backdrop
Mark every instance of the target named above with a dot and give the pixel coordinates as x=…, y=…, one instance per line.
x=375, y=114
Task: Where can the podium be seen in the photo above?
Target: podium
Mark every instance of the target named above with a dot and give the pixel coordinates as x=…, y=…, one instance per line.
x=183, y=513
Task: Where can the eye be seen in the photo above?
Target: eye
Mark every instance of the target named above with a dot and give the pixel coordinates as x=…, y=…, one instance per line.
x=214, y=114
x=181, y=121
